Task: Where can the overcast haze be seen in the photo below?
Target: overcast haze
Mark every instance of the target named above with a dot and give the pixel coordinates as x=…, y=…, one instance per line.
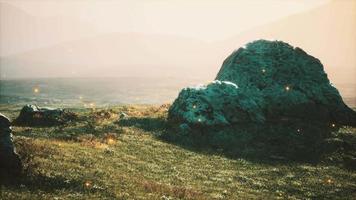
x=167, y=38
x=201, y=19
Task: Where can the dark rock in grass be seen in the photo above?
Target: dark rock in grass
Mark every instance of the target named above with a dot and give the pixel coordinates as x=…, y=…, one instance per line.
x=103, y=114
x=10, y=163
x=123, y=115
x=266, y=81
x=32, y=115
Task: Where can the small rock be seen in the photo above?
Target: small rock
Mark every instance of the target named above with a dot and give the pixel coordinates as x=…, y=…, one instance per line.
x=123, y=115
x=109, y=151
x=33, y=115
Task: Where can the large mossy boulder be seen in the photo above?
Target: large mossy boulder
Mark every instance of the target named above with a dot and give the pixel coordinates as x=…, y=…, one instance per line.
x=10, y=163
x=32, y=115
x=266, y=81
x=218, y=103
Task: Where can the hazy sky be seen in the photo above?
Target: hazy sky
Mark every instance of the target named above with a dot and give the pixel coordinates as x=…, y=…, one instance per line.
x=181, y=38
x=47, y=38
x=207, y=20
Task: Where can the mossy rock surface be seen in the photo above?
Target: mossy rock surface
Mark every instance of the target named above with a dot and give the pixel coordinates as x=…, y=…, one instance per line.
x=274, y=82
x=218, y=103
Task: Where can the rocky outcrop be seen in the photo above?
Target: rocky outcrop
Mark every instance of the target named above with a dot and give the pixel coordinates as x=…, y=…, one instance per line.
x=10, y=163
x=218, y=103
x=265, y=81
x=33, y=115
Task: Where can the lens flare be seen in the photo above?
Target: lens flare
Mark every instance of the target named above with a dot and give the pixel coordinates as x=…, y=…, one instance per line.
x=36, y=90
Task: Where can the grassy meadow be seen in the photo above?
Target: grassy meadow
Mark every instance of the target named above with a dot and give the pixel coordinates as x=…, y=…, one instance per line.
x=100, y=156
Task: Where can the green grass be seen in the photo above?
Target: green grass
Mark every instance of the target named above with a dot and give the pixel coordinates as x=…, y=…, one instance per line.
x=144, y=157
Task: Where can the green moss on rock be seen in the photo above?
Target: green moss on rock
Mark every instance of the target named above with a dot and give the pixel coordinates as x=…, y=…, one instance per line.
x=265, y=81
x=218, y=103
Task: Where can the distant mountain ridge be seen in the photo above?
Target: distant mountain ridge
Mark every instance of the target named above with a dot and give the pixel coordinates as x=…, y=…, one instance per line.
x=20, y=31
x=127, y=54
x=332, y=41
